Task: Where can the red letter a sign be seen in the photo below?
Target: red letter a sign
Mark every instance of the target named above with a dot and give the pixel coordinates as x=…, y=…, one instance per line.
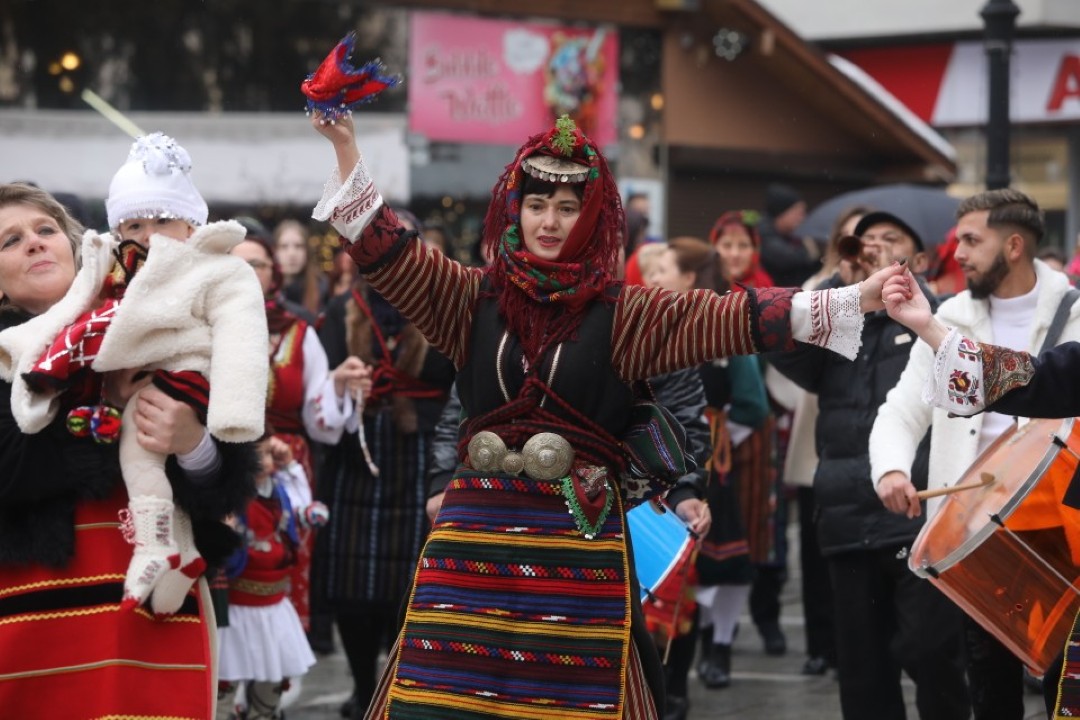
x=1066, y=84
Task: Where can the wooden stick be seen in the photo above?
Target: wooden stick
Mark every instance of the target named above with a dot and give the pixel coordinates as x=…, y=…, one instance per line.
x=984, y=480
x=110, y=113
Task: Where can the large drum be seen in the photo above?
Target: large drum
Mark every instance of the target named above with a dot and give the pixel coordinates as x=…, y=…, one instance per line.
x=1008, y=552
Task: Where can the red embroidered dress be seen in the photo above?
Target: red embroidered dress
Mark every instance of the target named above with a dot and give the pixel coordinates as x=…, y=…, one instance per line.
x=66, y=644
x=284, y=411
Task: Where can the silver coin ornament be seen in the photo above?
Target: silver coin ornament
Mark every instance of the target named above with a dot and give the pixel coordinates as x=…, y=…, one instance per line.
x=547, y=456
x=486, y=452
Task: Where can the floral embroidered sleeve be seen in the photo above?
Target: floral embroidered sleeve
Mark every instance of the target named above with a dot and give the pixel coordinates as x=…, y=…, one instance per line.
x=969, y=376
x=657, y=332
x=434, y=292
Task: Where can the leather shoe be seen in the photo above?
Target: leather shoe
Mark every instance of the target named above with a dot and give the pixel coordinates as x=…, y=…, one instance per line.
x=773, y=638
x=348, y=708
x=717, y=673
x=677, y=707
x=815, y=666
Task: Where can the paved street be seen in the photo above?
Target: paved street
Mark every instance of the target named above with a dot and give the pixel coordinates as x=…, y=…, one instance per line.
x=763, y=686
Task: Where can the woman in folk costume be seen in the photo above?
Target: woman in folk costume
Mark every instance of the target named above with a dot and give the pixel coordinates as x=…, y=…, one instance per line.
x=756, y=458
x=735, y=237
x=193, y=319
x=64, y=643
x=524, y=602
x=734, y=392
x=374, y=479
x=304, y=401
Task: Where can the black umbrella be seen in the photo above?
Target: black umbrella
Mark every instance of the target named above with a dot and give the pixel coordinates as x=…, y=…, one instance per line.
x=928, y=211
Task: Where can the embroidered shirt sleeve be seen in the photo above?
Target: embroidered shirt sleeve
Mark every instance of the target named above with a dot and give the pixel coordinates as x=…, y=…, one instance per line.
x=831, y=319
x=324, y=412
x=656, y=331
x=351, y=205
x=968, y=375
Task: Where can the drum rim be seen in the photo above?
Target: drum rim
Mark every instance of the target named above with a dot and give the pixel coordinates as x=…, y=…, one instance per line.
x=965, y=548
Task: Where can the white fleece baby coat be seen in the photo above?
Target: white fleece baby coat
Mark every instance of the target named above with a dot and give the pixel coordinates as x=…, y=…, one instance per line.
x=192, y=306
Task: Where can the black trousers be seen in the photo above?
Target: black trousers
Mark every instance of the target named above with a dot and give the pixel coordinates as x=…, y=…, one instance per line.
x=366, y=629
x=889, y=620
x=995, y=674
x=817, y=596
x=765, y=593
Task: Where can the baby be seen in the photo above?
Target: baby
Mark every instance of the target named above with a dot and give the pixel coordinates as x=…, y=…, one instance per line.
x=168, y=299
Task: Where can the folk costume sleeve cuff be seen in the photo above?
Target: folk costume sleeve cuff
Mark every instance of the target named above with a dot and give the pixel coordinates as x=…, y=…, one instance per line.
x=831, y=319
x=349, y=206
x=968, y=375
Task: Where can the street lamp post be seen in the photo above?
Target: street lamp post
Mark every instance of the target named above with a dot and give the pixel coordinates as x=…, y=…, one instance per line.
x=999, y=19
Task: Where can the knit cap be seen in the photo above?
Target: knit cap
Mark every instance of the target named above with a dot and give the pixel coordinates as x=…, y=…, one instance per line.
x=778, y=198
x=155, y=182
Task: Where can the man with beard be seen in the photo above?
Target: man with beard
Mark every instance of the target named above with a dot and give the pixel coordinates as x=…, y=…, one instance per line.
x=1011, y=300
x=886, y=619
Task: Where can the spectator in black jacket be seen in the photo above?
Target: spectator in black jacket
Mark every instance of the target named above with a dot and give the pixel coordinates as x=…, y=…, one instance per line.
x=887, y=619
x=788, y=259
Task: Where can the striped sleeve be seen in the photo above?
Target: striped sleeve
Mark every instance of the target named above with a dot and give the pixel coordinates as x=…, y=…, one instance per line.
x=656, y=331
x=435, y=293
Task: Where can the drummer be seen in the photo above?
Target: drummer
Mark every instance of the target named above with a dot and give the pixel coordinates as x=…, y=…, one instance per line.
x=1018, y=302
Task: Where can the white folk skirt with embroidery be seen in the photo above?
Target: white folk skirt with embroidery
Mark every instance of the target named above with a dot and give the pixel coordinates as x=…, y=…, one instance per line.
x=263, y=643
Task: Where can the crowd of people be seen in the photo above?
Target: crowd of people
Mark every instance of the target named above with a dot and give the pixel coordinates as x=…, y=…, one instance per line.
x=448, y=454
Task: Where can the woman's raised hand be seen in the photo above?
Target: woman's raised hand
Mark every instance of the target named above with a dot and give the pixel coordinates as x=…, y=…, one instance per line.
x=337, y=131
x=905, y=302
x=341, y=134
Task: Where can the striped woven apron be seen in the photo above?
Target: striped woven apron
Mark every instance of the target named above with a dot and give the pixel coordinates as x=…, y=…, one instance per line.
x=514, y=613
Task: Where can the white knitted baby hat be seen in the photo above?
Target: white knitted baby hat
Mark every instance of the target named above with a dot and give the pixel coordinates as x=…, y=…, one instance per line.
x=155, y=182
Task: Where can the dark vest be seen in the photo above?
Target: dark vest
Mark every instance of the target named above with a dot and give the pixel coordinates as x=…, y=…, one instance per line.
x=583, y=376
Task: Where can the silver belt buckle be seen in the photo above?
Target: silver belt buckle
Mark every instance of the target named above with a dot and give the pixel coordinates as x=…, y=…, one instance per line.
x=545, y=456
x=486, y=452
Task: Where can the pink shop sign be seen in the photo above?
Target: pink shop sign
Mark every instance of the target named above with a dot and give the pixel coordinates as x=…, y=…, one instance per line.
x=497, y=81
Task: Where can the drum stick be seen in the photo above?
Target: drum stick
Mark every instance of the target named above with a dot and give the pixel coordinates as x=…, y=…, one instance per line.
x=984, y=480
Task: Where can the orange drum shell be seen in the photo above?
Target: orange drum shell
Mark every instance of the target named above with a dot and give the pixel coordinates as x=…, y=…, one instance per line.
x=1008, y=553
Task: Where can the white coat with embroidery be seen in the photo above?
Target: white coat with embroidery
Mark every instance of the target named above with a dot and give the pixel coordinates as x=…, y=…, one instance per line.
x=904, y=418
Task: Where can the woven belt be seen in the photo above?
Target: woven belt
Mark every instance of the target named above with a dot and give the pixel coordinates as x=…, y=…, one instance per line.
x=257, y=587
x=544, y=456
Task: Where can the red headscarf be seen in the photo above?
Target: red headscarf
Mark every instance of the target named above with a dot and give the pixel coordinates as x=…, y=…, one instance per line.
x=542, y=301
x=755, y=276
